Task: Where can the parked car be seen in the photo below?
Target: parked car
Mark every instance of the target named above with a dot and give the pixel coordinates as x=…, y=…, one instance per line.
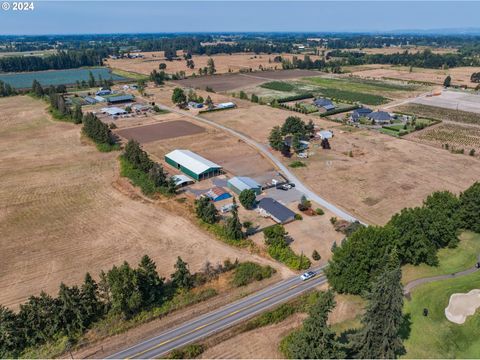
x=284, y=187
x=307, y=275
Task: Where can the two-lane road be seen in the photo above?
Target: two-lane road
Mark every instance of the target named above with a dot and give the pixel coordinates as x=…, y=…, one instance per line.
x=221, y=319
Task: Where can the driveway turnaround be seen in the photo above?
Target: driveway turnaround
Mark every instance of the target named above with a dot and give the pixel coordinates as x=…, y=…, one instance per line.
x=221, y=319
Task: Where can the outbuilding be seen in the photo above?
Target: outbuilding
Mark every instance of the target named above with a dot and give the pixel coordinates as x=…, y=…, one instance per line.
x=218, y=194
x=182, y=180
x=226, y=105
x=192, y=164
x=325, y=134
x=120, y=98
x=278, y=212
x=113, y=111
x=239, y=183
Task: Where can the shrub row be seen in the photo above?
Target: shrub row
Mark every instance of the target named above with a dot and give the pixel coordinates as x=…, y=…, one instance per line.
x=248, y=272
x=339, y=110
x=295, y=97
x=287, y=256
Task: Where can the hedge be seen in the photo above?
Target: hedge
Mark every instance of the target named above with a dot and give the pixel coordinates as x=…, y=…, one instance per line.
x=295, y=97
x=248, y=272
x=339, y=110
x=287, y=256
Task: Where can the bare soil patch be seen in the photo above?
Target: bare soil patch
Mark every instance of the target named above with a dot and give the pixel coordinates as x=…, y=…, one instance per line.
x=453, y=100
x=165, y=130
x=228, y=82
x=60, y=216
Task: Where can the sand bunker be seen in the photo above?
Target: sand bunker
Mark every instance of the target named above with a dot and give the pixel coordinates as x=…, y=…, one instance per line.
x=462, y=305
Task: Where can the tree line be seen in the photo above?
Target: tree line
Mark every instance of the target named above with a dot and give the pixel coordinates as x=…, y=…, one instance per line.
x=423, y=59
x=121, y=291
x=97, y=130
x=416, y=234
x=61, y=60
x=154, y=172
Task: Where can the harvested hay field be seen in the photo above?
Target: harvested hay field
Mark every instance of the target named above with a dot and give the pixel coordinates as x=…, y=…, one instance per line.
x=456, y=136
x=164, y=130
x=224, y=63
x=228, y=82
x=460, y=75
x=64, y=211
x=438, y=113
x=384, y=174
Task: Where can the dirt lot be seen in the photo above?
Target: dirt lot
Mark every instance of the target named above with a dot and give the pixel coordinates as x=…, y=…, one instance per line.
x=223, y=63
x=454, y=100
x=460, y=75
x=163, y=130
x=230, y=82
x=232, y=154
x=64, y=212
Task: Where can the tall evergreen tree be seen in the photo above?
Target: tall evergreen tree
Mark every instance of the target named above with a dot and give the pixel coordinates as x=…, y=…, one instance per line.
x=91, y=303
x=70, y=310
x=123, y=284
x=149, y=283
x=205, y=210
x=379, y=338
x=316, y=340
x=182, y=278
x=276, y=139
x=11, y=340
x=233, y=226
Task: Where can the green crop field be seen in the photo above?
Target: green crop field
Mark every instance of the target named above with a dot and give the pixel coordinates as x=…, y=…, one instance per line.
x=433, y=336
x=278, y=86
x=359, y=85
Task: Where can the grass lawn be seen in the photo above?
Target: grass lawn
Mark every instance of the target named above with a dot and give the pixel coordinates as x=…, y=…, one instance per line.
x=462, y=257
x=434, y=336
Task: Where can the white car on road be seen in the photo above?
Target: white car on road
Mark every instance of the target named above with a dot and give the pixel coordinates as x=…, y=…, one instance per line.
x=307, y=275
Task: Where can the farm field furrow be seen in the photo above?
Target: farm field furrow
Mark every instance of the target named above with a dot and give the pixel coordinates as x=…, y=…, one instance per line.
x=60, y=216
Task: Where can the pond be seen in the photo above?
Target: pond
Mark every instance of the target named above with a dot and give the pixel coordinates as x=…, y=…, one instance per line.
x=56, y=77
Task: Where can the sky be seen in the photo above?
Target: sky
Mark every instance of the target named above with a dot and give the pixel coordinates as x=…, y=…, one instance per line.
x=82, y=17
